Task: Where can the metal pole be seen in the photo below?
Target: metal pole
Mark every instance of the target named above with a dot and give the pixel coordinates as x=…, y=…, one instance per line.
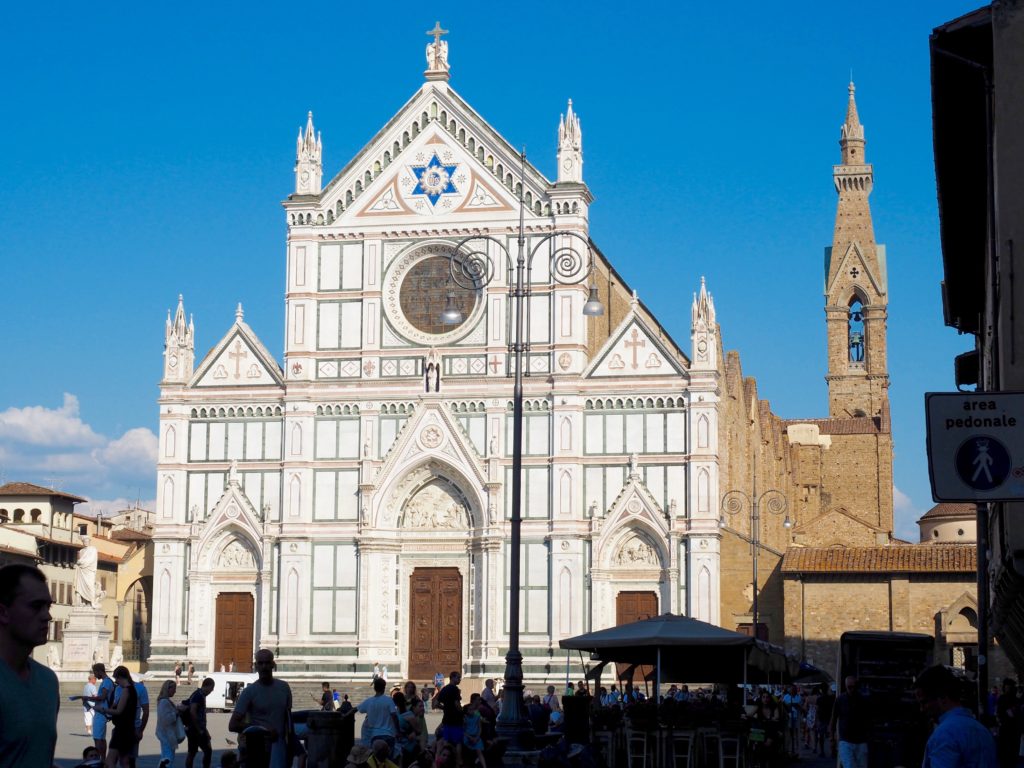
x=512, y=723
x=983, y=639
x=755, y=538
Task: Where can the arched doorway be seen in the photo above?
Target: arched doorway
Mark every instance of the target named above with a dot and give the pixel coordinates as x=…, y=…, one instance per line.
x=234, y=580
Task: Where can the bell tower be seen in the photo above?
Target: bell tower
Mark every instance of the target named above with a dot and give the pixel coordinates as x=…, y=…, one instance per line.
x=856, y=290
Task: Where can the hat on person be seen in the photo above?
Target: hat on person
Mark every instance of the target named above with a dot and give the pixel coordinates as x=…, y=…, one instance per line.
x=359, y=754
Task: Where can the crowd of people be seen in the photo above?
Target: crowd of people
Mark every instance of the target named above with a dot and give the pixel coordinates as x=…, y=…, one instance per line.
x=394, y=731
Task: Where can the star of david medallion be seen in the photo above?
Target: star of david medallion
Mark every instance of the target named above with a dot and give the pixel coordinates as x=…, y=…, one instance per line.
x=434, y=179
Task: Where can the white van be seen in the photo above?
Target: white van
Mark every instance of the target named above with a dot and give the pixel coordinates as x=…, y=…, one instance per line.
x=226, y=687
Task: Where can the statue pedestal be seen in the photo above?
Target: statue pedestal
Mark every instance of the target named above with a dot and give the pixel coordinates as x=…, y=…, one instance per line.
x=86, y=639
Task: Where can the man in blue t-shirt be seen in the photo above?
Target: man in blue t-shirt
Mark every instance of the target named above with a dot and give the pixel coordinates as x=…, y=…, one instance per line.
x=104, y=695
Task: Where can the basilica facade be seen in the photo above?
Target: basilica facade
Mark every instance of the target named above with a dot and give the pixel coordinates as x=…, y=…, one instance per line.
x=350, y=505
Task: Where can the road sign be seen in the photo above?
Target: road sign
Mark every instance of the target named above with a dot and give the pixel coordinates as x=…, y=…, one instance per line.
x=975, y=445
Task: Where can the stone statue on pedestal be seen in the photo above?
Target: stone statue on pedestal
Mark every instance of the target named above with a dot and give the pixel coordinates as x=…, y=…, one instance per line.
x=86, y=592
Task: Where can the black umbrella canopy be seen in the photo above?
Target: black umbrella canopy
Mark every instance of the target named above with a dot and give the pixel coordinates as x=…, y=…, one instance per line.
x=665, y=630
x=691, y=650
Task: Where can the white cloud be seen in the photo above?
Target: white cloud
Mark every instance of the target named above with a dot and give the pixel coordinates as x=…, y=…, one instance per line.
x=55, y=448
x=39, y=425
x=906, y=514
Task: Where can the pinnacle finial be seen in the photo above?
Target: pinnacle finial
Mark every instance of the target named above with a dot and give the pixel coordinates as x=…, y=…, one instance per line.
x=437, y=54
x=239, y=313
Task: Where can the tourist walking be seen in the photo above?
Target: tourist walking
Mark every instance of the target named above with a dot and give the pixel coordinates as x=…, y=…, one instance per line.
x=195, y=724
x=267, y=703
x=104, y=695
x=122, y=715
x=958, y=741
x=449, y=700
x=167, y=723
x=191, y=672
x=29, y=692
x=177, y=673
x=849, y=726
x=88, y=703
x=381, y=721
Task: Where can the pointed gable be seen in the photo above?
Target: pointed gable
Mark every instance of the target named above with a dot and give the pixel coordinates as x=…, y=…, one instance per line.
x=431, y=432
x=435, y=176
x=238, y=360
x=436, y=156
x=233, y=514
x=634, y=350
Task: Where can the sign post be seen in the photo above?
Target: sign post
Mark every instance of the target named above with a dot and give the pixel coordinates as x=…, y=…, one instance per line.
x=975, y=445
x=976, y=454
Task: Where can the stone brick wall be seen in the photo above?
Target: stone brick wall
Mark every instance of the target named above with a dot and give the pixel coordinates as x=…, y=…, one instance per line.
x=820, y=607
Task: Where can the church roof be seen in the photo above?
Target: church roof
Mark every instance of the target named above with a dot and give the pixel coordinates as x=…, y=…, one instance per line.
x=30, y=489
x=854, y=425
x=913, y=558
x=949, y=511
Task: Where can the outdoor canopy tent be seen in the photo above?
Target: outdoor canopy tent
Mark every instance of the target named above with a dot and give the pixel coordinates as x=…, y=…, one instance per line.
x=686, y=649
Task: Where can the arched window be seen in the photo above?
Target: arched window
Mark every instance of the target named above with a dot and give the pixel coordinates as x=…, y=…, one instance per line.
x=169, y=441
x=855, y=324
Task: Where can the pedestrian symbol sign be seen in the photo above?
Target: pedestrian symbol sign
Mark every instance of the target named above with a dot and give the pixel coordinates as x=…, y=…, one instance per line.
x=983, y=462
x=976, y=445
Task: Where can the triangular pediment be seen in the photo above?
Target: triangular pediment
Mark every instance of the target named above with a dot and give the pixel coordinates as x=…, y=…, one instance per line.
x=379, y=183
x=431, y=434
x=632, y=350
x=435, y=177
x=857, y=272
x=636, y=505
x=835, y=526
x=238, y=360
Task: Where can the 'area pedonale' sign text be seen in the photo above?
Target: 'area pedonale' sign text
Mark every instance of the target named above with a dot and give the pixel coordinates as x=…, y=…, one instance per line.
x=975, y=445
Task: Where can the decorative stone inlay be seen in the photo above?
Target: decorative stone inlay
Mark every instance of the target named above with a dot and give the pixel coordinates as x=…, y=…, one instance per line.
x=431, y=437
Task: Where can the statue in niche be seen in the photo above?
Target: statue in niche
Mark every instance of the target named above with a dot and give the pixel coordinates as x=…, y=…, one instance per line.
x=636, y=551
x=53, y=658
x=86, y=592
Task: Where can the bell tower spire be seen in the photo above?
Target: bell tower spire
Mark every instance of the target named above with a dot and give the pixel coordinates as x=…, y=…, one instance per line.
x=856, y=289
x=308, y=154
x=570, y=147
x=179, y=346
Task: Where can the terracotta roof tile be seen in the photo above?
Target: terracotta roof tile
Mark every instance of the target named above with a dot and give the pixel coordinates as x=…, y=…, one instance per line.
x=913, y=558
x=954, y=511
x=856, y=425
x=29, y=489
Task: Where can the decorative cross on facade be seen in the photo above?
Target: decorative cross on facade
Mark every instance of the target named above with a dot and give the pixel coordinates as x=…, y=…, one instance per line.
x=238, y=355
x=436, y=32
x=636, y=344
x=854, y=272
x=494, y=364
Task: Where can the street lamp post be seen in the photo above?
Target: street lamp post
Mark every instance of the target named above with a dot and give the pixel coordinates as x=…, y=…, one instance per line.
x=774, y=502
x=472, y=267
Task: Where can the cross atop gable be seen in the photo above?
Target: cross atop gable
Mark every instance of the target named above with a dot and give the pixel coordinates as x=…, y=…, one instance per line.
x=238, y=360
x=633, y=350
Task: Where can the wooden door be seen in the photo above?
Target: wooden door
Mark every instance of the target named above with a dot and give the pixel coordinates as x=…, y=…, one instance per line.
x=435, y=622
x=234, y=631
x=630, y=607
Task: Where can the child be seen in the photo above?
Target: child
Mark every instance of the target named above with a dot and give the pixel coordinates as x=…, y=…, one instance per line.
x=472, y=738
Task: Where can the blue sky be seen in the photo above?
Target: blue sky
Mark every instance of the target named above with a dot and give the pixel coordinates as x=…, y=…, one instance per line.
x=147, y=148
